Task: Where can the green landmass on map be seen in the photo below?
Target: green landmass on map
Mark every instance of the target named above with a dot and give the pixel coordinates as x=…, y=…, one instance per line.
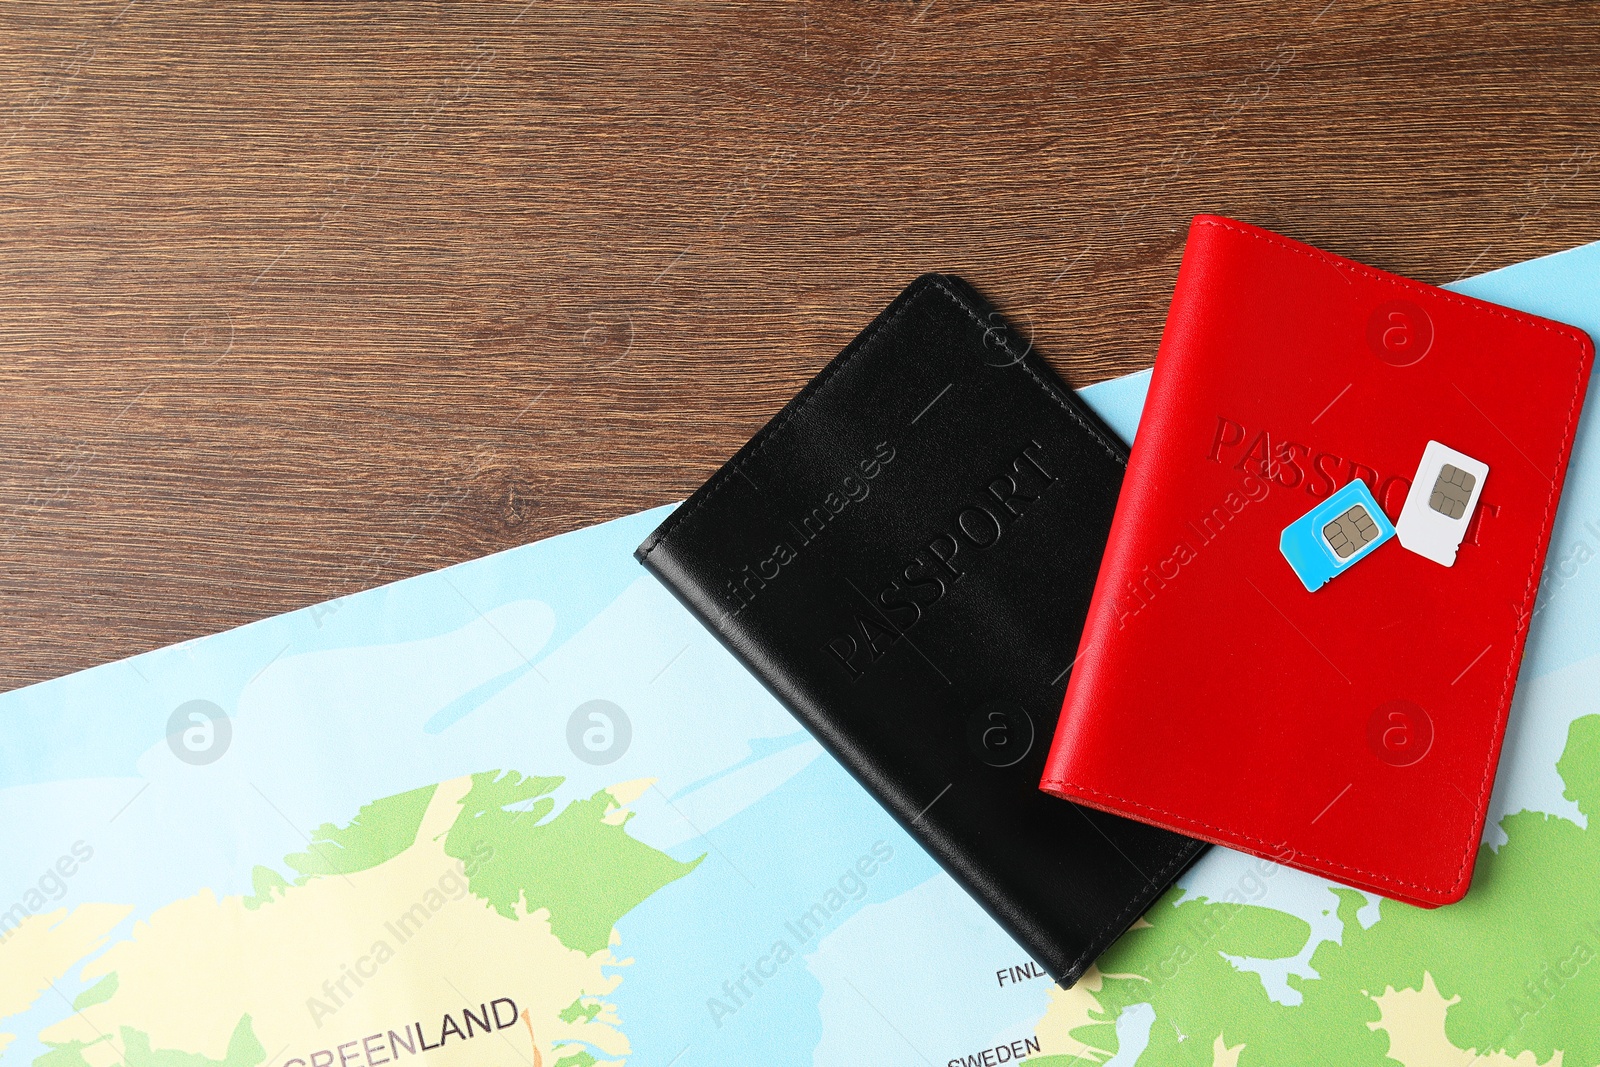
x=380, y=831
x=1521, y=952
x=243, y=1051
x=517, y=853
x=98, y=993
x=589, y=872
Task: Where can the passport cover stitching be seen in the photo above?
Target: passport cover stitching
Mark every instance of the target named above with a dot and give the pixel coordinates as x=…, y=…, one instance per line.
x=1096, y=932
x=1114, y=929
x=1059, y=400
x=1432, y=292
x=862, y=344
x=1469, y=846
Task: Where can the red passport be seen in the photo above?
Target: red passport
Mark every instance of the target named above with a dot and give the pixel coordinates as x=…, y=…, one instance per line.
x=1266, y=664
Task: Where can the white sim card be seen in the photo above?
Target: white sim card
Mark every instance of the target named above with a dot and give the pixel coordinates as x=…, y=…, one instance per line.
x=1439, y=506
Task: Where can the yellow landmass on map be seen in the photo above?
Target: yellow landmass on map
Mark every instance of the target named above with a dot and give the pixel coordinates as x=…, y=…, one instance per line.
x=1224, y=1055
x=1068, y=1010
x=344, y=957
x=625, y=794
x=43, y=947
x=1414, y=1021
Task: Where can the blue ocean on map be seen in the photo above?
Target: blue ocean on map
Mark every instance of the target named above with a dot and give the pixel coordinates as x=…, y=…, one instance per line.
x=486, y=666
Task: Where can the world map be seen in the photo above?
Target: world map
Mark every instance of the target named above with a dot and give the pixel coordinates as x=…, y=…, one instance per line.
x=525, y=810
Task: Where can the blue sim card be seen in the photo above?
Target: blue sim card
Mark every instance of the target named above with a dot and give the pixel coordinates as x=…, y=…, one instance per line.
x=1335, y=534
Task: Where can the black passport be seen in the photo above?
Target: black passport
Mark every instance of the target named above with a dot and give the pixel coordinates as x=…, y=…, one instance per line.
x=905, y=556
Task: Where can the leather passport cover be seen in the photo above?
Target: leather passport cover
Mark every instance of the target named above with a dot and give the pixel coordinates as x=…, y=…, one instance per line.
x=1352, y=731
x=904, y=556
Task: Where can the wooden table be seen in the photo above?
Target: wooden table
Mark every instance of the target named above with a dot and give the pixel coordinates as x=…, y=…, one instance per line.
x=296, y=299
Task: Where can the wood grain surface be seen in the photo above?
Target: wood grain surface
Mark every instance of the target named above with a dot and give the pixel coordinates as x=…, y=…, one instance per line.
x=301, y=298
